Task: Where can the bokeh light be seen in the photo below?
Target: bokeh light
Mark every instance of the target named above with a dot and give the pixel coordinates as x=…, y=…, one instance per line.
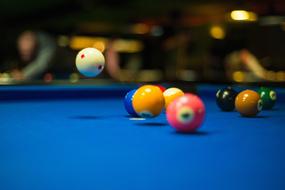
x=217, y=32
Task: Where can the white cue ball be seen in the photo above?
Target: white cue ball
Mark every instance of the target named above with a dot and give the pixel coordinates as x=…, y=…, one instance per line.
x=90, y=62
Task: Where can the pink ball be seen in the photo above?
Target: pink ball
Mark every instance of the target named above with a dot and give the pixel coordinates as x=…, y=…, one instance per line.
x=186, y=113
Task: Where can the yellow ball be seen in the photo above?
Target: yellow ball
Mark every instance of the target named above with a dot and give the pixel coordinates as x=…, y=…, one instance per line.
x=171, y=94
x=148, y=101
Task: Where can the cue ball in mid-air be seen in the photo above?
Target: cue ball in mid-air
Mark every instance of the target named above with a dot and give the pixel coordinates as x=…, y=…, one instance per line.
x=148, y=101
x=186, y=113
x=90, y=62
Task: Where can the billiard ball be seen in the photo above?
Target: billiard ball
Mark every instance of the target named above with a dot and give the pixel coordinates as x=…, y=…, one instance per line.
x=268, y=97
x=162, y=88
x=186, y=113
x=90, y=62
x=148, y=101
x=171, y=94
x=248, y=103
x=128, y=103
x=225, y=98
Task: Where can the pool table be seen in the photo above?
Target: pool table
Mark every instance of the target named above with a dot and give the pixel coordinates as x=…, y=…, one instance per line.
x=80, y=137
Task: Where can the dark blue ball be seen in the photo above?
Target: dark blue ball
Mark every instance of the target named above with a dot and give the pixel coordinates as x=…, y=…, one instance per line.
x=128, y=103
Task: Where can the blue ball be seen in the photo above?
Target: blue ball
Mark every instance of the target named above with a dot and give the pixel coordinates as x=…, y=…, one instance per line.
x=128, y=102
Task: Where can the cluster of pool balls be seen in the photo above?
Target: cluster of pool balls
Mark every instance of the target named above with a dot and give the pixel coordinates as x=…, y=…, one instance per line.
x=247, y=102
x=184, y=111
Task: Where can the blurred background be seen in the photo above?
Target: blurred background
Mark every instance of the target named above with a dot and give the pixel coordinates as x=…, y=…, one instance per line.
x=144, y=40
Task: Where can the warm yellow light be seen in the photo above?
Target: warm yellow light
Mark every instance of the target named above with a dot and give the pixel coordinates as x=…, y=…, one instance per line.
x=252, y=16
x=5, y=78
x=283, y=75
x=270, y=75
x=217, y=32
x=239, y=15
x=128, y=46
x=279, y=76
x=120, y=45
x=242, y=15
x=238, y=76
x=100, y=45
x=80, y=42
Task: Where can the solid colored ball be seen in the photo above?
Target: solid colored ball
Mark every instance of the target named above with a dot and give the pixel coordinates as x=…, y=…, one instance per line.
x=90, y=62
x=128, y=103
x=186, y=113
x=268, y=97
x=225, y=98
x=171, y=94
x=248, y=103
x=148, y=101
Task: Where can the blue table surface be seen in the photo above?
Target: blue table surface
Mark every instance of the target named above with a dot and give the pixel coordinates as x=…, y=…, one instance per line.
x=52, y=144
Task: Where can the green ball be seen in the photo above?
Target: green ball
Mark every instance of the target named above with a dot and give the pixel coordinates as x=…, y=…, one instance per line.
x=268, y=97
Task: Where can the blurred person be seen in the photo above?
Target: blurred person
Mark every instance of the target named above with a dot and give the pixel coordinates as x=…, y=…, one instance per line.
x=246, y=55
x=245, y=61
x=119, y=68
x=113, y=61
x=35, y=53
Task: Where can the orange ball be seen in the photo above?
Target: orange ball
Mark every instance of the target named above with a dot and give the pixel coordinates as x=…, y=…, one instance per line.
x=248, y=103
x=148, y=101
x=171, y=94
